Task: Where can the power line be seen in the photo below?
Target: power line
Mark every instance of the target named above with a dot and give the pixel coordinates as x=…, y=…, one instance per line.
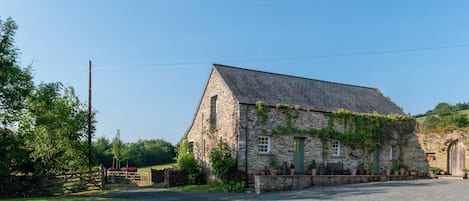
x=287, y=58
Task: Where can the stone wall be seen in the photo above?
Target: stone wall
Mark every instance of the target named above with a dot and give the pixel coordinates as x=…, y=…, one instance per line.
x=265, y=184
x=436, y=145
x=205, y=137
x=174, y=177
x=157, y=176
x=282, y=146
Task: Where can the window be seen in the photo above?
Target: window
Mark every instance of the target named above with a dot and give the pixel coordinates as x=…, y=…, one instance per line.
x=213, y=111
x=390, y=153
x=263, y=145
x=335, y=147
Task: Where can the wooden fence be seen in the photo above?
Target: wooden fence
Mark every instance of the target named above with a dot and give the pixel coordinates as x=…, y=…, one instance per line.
x=122, y=177
x=71, y=183
x=25, y=186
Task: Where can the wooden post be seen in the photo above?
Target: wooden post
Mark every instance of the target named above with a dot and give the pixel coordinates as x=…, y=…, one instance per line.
x=89, y=115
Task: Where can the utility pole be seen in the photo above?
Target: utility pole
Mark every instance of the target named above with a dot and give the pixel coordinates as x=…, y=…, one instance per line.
x=89, y=115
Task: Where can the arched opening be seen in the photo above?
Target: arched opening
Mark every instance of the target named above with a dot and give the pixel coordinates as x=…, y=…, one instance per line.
x=456, y=158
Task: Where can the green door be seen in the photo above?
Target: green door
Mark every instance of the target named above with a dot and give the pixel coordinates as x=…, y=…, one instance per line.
x=378, y=151
x=299, y=155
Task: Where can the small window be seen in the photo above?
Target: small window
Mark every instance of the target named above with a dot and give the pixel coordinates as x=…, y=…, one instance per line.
x=263, y=145
x=335, y=147
x=213, y=111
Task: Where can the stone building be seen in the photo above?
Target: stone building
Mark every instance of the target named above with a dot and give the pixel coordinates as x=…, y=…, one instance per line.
x=228, y=112
x=447, y=151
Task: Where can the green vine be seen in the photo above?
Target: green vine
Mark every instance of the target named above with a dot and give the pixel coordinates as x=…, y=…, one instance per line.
x=363, y=129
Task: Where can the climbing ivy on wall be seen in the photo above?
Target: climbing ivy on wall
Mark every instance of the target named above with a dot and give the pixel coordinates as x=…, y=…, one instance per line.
x=363, y=129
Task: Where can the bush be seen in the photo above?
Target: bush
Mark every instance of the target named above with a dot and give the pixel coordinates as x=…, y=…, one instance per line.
x=223, y=164
x=434, y=170
x=233, y=187
x=186, y=162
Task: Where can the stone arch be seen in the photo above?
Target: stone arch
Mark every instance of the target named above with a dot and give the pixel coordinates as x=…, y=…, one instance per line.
x=456, y=158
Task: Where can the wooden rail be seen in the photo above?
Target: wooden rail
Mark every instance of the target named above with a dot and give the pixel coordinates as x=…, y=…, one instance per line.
x=122, y=177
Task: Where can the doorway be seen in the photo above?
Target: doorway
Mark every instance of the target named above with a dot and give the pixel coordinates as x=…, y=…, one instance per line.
x=456, y=158
x=299, y=154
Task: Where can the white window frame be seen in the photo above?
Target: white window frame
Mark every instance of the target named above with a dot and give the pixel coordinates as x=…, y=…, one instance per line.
x=263, y=144
x=390, y=153
x=335, y=148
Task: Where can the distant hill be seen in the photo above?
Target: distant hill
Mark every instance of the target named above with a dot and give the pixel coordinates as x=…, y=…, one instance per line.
x=422, y=118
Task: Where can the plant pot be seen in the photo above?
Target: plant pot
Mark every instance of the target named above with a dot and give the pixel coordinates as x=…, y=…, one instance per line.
x=368, y=172
x=413, y=173
x=353, y=171
x=292, y=171
x=396, y=173
x=273, y=172
x=431, y=175
x=387, y=172
x=314, y=172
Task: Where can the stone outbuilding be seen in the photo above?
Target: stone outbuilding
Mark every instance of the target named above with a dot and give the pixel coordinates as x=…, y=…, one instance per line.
x=447, y=150
x=264, y=115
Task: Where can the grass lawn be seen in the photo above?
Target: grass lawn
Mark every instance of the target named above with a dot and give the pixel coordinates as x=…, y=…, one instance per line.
x=157, y=167
x=199, y=188
x=71, y=198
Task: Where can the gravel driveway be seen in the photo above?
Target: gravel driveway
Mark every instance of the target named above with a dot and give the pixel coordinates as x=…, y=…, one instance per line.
x=425, y=190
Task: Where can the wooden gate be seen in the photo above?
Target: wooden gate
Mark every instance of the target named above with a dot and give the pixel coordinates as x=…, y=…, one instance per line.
x=456, y=158
x=122, y=177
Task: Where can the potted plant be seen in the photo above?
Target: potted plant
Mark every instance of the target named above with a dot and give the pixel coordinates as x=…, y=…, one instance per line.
x=273, y=165
x=395, y=167
x=292, y=169
x=433, y=171
x=313, y=167
x=465, y=173
x=387, y=170
x=370, y=170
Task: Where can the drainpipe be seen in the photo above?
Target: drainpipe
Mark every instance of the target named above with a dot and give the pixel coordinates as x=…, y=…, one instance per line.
x=246, y=147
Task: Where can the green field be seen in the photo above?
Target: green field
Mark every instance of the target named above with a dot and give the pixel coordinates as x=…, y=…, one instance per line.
x=422, y=119
x=157, y=167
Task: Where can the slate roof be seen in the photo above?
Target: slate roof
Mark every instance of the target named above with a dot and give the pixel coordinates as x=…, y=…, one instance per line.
x=250, y=86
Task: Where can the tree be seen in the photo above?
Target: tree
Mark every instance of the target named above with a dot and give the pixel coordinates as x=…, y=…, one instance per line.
x=443, y=109
x=102, y=152
x=186, y=162
x=15, y=82
x=117, y=146
x=54, y=128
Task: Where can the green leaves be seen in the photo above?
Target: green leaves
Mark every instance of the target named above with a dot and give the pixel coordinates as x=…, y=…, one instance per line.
x=55, y=127
x=364, y=129
x=223, y=163
x=445, y=117
x=15, y=82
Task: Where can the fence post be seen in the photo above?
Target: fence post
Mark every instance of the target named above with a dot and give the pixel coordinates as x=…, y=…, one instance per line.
x=150, y=177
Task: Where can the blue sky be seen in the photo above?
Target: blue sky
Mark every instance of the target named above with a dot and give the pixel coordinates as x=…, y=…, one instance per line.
x=158, y=100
